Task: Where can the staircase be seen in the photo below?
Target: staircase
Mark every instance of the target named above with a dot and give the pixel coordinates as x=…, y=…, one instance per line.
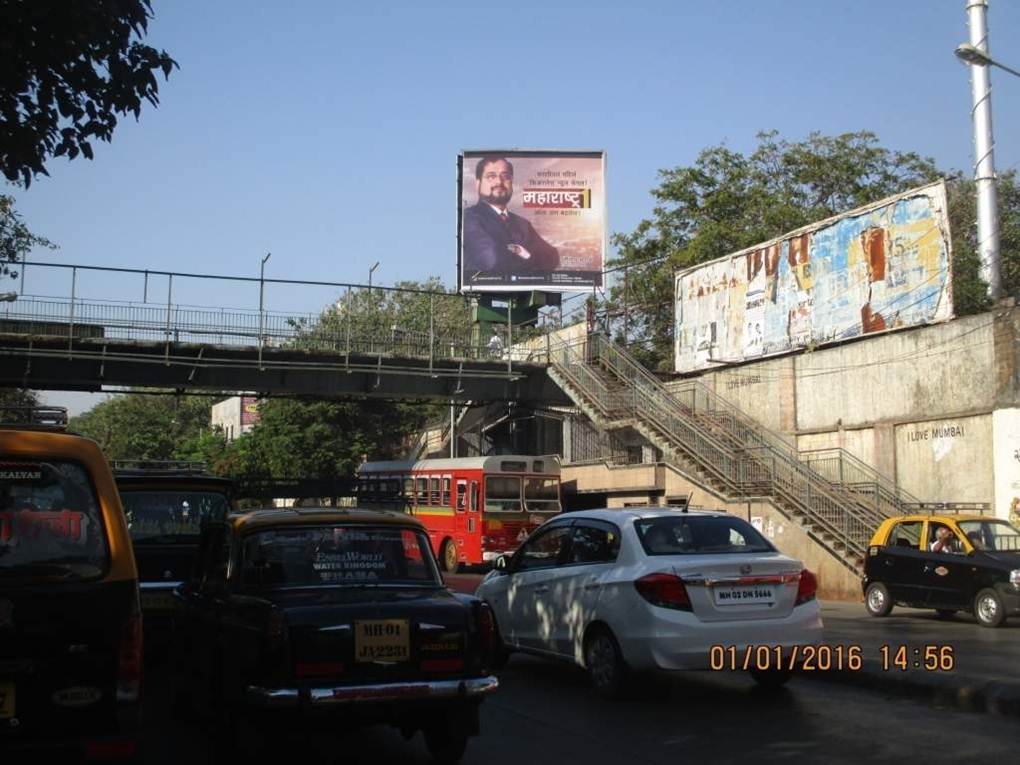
x=836, y=498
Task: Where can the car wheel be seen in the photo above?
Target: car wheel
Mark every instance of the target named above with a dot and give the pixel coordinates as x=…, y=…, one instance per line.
x=989, y=609
x=606, y=669
x=771, y=678
x=945, y=613
x=877, y=600
x=446, y=740
x=448, y=556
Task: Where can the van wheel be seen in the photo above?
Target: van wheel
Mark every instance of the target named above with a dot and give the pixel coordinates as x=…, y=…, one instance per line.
x=448, y=556
x=606, y=669
x=877, y=600
x=989, y=609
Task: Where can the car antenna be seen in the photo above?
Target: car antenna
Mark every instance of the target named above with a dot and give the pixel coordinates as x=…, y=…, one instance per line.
x=687, y=504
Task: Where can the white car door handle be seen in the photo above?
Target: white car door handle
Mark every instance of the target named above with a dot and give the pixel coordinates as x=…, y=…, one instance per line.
x=540, y=590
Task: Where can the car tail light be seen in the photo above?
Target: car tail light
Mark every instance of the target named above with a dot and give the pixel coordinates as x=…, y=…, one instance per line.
x=664, y=590
x=806, y=587
x=129, y=660
x=486, y=629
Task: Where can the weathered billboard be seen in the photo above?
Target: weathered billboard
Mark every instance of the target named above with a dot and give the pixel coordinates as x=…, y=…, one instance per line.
x=531, y=220
x=880, y=267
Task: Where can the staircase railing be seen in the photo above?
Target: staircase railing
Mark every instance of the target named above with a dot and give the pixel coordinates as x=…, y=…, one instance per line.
x=743, y=460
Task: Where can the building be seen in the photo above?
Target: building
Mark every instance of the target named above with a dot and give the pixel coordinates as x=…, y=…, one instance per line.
x=236, y=415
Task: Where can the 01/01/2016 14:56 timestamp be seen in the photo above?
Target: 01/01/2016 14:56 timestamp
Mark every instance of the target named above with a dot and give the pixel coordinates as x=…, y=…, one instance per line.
x=827, y=658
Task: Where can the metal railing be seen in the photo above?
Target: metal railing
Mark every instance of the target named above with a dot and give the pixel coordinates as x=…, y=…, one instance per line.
x=411, y=323
x=716, y=439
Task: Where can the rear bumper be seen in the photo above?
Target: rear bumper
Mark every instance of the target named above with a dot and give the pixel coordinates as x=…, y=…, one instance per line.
x=429, y=690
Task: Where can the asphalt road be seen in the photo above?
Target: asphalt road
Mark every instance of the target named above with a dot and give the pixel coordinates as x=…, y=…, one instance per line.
x=545, y=713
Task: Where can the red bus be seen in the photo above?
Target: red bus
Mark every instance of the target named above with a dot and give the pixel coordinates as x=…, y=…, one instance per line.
x=475, y=508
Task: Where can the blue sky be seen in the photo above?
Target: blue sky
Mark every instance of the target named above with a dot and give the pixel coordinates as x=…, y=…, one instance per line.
x=327, y=132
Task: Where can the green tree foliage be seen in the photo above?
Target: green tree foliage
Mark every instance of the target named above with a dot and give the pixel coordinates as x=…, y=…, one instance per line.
x=18, y=397
x=727, y=201
x=16, y=241
x=67, y=70
x=143, y=426
x=321, y=439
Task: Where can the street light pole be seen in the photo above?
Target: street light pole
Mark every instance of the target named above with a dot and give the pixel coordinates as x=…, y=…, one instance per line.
x=976, y=56
x=370, y=272
x=262, y=297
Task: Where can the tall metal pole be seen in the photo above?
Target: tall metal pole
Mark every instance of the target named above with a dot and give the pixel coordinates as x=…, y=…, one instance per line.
x=984, y=159
x=262, y=295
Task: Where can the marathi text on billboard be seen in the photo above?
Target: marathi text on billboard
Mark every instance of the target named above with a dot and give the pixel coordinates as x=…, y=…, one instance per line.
x=880, y=267
x=531, y=220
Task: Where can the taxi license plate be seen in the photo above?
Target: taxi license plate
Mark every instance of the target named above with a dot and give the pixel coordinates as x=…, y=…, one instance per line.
x=6, y=700
x=738, y=596
x=158, y=601
x=386, y=640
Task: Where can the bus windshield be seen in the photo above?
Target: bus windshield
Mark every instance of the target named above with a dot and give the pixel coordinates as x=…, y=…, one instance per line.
x=502, y=494
x=542, y=495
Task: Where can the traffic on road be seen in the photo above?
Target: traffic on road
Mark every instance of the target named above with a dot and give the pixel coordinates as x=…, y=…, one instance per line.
x=288, y=629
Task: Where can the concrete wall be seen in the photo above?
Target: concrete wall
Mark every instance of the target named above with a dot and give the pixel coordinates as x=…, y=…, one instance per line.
x=939, y=458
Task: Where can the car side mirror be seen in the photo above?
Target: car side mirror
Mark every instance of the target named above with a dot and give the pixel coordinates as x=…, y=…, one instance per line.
x=502, y=564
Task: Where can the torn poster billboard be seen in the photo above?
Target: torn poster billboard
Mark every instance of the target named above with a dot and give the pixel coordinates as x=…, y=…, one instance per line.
x=876, y=268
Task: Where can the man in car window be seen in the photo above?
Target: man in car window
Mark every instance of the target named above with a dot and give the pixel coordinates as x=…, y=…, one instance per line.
x=944, y=540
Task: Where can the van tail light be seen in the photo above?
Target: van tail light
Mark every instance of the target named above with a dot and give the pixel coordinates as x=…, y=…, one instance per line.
x=665, y=591
x=129, y=660
x=807, y=587
x=275, y=629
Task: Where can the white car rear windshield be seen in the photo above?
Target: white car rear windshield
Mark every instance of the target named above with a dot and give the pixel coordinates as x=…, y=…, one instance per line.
x=51, y=525
x=693, y=535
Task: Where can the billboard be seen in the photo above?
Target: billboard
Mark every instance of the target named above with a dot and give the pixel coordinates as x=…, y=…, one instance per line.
x=531, y=220
x=880, y=267
x=250, y=415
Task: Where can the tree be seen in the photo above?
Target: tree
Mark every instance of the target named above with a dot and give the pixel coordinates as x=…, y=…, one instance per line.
x=16, y=241
x=320, y=439
x=66, y=71
x=727, y=201
x=18, y=397
x=144, y=426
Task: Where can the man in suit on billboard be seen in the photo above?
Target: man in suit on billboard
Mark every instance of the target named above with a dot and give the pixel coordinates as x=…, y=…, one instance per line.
x=495, y=239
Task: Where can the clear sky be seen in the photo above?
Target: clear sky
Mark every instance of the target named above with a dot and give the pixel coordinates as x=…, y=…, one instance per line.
x=327, y=132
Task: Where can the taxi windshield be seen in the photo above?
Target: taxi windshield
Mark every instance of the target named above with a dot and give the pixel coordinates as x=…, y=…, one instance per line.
x=51, y=525
x=171, y=516
x=992, y=535
x=337, y=556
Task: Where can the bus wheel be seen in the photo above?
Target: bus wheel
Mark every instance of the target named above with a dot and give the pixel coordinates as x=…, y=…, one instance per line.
x=448, y=556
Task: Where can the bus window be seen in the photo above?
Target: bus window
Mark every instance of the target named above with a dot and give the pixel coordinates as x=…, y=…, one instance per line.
x=502, y=494
x=461, y=495
x=409, y=489
x=513, y=466
x=446, y=492
x=542, y=495
x=422, y=493
x=434, y=493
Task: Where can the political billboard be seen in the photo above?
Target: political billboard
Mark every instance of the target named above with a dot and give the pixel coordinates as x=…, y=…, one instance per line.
x=873, y=269
x=531, y=220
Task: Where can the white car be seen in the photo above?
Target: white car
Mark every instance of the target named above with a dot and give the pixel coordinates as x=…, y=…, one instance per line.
x=654, y=588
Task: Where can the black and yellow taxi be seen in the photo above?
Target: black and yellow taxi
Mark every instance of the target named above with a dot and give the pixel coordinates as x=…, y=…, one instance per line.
x=166, y=503
x=312, y=619
x=948, y=563
x=70, y=622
